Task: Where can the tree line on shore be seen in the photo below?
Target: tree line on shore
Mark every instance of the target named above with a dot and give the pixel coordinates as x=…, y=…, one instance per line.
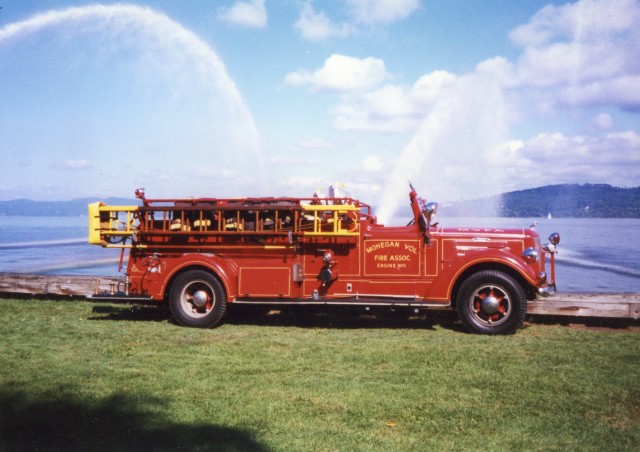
x=562, y=200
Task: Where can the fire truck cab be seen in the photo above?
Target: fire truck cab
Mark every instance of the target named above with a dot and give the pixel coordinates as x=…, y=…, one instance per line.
x=203, y=254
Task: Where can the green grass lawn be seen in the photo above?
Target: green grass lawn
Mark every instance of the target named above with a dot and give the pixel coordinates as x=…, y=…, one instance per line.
x=92, y=376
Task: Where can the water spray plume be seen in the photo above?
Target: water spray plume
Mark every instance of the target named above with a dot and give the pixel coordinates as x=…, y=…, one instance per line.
x=449, y=154
x=77, y=264
x=43, y=243
x=162, y=32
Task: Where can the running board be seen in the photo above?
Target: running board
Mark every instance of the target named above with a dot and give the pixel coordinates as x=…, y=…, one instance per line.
x=345, y=302
x=118, y=297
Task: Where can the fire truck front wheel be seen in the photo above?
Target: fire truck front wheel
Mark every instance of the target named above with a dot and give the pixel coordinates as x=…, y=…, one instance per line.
x=197, y=299
x=491, y=302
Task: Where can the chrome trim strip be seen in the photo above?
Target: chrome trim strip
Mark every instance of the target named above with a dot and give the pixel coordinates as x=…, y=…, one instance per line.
x=343, y=302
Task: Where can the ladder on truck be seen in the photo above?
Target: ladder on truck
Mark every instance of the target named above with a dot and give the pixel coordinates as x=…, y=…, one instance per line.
x=137, y=226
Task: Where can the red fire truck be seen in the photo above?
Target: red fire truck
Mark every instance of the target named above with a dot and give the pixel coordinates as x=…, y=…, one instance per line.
x=203, y=254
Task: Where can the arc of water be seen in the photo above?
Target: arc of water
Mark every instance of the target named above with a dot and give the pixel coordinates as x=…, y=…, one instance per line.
x=412, y=161
x=123, y=18
x=469, y=115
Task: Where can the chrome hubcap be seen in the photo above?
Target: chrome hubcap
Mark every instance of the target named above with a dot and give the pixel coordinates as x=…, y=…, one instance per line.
x=200, y=298
x=490, y=305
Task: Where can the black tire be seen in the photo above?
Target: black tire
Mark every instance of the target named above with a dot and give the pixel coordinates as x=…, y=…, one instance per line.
x=197, y=299
x=491, y=302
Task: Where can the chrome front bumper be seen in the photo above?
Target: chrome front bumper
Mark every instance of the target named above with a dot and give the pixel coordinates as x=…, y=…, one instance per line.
x=547, y=290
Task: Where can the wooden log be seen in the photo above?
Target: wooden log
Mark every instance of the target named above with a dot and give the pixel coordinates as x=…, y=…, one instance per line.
x=614, y=305
x=31, y=284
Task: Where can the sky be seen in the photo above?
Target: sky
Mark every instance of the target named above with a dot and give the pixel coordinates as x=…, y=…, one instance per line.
x=466, y=99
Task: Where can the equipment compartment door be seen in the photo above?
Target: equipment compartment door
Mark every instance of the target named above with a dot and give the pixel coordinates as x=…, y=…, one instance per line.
x=265, y=282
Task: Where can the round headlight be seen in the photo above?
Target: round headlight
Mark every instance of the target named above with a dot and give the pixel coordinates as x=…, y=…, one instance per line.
x=530, y=255
x=554, y=238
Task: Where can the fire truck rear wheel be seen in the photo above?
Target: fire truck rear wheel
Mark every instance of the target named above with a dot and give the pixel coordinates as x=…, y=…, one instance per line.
x=491, y=302
x=197, y=299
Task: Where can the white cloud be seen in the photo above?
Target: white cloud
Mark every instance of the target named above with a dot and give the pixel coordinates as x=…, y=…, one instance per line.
x=392, y=108
x=368, y=106
x=80, y=164
x=580, y=54
x=585, y=20
x=506, y=155
x=500, y=68
x=551, y=158
x=301, y=186
x=364, y=190
x=429, y=87
x=365, y=115
x=248, y=14
x=314, y=144
x=372, y=164
x=575, y=55
x=215, y=172
x=571, y=63
x=603, y=121
x=342, y=73
x=623, y=92
x=316, y=26
x=381, y=11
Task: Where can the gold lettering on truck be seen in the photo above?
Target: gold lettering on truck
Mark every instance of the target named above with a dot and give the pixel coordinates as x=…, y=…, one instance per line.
x=396, y=258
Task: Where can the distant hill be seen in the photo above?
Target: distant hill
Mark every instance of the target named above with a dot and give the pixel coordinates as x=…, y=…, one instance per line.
x=73, y=208
x=565, y=200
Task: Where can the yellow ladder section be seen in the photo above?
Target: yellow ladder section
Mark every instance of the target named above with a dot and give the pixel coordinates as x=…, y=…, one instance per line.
x=337, y=220
x=110, y=226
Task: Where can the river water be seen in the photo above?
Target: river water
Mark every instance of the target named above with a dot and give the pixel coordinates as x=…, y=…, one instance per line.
x=596, y=255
